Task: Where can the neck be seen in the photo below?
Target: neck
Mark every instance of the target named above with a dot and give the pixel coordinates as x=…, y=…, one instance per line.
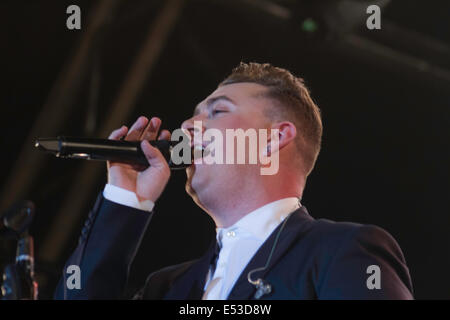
x=242, y=200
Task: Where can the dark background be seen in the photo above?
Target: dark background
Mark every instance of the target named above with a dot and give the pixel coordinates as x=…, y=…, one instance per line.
x=385, y=155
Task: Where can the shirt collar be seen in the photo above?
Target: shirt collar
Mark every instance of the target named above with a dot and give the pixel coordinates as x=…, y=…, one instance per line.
x=261, y=222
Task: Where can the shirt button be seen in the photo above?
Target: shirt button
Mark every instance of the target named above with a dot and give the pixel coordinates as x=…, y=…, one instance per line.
x=231, y=233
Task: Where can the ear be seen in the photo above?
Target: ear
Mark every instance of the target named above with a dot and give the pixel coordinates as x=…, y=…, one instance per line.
x=286, y=133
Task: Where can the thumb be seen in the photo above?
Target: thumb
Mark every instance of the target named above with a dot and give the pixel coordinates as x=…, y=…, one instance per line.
x=153, y=155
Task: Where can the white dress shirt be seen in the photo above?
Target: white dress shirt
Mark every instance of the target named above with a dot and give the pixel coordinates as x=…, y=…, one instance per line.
x=126, y=198
x=238, y=243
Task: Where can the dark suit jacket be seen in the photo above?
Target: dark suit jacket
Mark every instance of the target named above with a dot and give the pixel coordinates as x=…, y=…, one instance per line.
x=313, y=259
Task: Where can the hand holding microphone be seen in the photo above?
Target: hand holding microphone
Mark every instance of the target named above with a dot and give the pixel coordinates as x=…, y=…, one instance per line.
x=149, y=183
x=137, y=159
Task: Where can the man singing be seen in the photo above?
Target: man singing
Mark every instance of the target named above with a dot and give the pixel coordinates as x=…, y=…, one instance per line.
x=267, y=245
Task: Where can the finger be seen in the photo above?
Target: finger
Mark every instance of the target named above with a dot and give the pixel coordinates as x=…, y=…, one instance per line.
x=153, y=155
x=165, y=135
x=118, y=133
x=151, y=132
x=136, y=129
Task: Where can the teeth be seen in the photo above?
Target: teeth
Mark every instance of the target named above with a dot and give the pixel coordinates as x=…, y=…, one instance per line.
x=201, y=151
x=197, y=152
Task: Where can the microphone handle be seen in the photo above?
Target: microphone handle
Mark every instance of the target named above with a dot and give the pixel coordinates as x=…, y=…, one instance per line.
x=108, y=150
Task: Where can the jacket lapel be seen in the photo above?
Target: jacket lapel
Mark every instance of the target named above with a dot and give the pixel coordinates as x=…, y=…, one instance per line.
x=293, y=228
x=190, y=285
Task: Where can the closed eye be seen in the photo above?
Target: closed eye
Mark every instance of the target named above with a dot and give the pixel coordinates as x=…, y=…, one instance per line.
x=216, y=111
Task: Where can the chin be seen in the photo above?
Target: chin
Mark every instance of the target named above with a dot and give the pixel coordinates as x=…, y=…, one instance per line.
x=193, y=174
x=201, y=178
x=197, y=176
x=195, y=185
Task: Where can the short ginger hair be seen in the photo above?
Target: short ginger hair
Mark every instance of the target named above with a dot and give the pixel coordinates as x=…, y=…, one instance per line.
x=291, y=102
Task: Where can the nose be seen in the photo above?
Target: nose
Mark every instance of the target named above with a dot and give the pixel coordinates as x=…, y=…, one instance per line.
x=193, y=126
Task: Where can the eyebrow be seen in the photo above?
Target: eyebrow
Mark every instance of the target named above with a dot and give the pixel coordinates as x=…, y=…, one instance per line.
x=211, y=101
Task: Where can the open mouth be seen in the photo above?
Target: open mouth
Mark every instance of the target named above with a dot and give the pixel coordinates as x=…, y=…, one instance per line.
x=199, y=152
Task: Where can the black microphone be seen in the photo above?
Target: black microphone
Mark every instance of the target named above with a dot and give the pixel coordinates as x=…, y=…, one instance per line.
x=108, y=150
x=17, y=219
x=18, y=278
